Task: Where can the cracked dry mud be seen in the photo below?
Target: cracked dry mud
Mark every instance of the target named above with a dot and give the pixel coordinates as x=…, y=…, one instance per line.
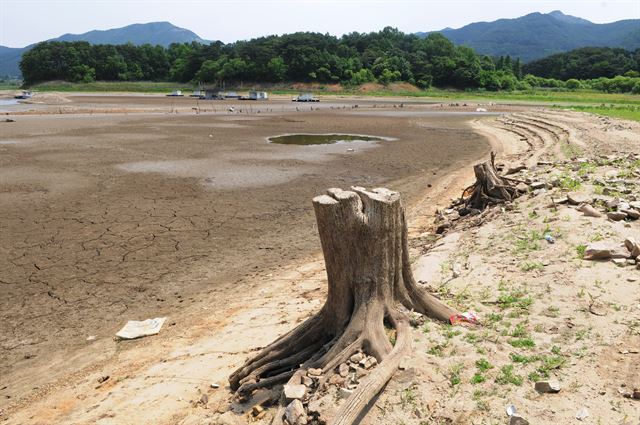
x=109, y=218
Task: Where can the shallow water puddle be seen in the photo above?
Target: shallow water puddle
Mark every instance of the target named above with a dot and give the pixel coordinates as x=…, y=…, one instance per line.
x=322, y=139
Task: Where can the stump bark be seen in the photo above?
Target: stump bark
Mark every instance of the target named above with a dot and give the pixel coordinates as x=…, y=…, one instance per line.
x=364, y=242
x=489, y=188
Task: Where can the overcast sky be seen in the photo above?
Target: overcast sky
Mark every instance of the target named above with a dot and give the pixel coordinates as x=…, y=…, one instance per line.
x=23, y=22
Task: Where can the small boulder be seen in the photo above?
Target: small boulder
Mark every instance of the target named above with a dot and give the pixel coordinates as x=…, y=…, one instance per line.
x=294, y=413
x=314, y=372
x=616, y=215
x=633, y=214
x=633, y=247
x=518, y=420
x=294, y=391
x=343, y=369
x=357, y=357
x=538, y=185
x=551, y=386
x=368, y=362
x=577, y=198
x=522, y=187
x=604, y=251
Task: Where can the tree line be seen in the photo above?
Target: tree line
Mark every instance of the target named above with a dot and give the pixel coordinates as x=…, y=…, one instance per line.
x=385, y=56
x=587, y=63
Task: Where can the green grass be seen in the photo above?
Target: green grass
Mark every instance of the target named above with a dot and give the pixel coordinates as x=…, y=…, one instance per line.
x=114, y=86
x=507, y=376
x=9, y=85
x=627, y=111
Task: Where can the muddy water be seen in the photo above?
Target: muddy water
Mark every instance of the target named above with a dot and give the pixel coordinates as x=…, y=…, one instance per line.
x=321, y=139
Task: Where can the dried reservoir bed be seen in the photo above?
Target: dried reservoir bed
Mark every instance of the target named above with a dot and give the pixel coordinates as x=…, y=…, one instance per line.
x=113, y=217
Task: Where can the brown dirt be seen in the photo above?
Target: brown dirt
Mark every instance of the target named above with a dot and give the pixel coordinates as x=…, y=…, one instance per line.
x=109, y=218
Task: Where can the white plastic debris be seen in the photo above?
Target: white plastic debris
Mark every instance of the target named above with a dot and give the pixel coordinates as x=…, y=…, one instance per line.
x=134, y=329
x=511, y=410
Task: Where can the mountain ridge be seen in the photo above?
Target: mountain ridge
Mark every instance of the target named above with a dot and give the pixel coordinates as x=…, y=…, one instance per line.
x=157, y=33
x=536, y=35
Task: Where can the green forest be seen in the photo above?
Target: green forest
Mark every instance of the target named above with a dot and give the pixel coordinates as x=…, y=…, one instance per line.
x=353, y=59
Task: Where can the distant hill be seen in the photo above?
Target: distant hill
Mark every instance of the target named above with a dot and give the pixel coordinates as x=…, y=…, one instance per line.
x=586, y=63
x=162, y=33
x=538, y=35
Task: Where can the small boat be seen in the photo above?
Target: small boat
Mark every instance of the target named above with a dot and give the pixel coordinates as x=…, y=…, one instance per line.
x=176, y=93
x=26, y=94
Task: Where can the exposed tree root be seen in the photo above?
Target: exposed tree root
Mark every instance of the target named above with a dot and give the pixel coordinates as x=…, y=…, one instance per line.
x=364, y=241
x=489, y=188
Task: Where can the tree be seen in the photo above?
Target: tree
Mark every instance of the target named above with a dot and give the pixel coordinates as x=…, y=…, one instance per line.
x=573, y=84
x=364, y=241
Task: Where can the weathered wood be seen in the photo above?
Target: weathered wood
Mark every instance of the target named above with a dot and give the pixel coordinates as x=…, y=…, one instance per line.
x=364, y=242
x=489, y=188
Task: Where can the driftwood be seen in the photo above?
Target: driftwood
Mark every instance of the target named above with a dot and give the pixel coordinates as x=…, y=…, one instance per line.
x=364, y=241
x=489, y=188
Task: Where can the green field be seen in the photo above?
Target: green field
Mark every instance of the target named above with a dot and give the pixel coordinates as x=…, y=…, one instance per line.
x=113, y=86
x=624, y=112
x=626, y=106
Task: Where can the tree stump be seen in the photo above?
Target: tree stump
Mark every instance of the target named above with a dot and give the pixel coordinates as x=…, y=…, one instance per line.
x=489, y=188
x=364, y=241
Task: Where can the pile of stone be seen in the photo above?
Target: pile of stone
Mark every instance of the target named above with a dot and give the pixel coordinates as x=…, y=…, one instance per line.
x=304, y=401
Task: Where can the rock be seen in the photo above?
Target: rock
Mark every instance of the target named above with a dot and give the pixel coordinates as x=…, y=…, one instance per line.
x=558, y=201
x=204, y=399
x=343, y=369
x=589, y=211
x=605, y=251
x=307, y=382
x=633, y=247
x=368, y=362
x=214, y=385
x=294, y=392
x=577, y=198
x=619, y=262
x=359, y=372
x=227, y=418
x=314, y=372
x=256, y=410
x=633, y=214
x=294, y=413
x=357, y=357
x=522, y=187
x=344, y=392
x=538, y=185
x=551, y=386
x=582, y=414
x=616, y=215
x=442, y=227
x=612, y=203
x=518, y=420
x=336, y=379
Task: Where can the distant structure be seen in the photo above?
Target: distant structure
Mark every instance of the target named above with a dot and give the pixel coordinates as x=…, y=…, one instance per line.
x=305, y=97
x=258, y=95
x=211, y=93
